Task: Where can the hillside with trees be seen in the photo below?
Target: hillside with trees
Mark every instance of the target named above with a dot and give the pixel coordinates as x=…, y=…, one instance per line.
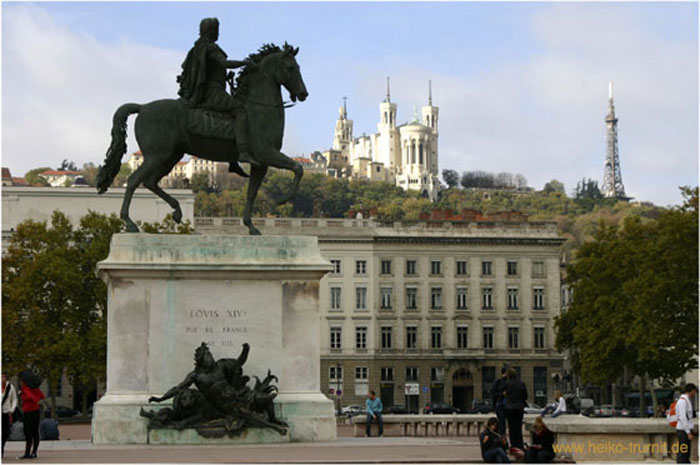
x=577, y=214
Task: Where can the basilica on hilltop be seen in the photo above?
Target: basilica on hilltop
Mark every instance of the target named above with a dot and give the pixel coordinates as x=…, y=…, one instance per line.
x=405, y=154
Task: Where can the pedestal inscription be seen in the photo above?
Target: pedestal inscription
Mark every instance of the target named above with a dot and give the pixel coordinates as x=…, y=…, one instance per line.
x=222, y=314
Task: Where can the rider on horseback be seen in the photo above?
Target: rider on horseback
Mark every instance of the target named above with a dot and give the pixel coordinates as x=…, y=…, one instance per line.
x=203, y=84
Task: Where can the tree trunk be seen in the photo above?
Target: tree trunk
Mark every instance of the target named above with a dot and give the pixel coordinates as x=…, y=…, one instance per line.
x=614, y=397
x=642, y=403
x=54, y=413
x=83, y=400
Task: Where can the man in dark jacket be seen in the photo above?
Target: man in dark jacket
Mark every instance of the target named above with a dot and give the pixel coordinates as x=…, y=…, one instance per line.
x=516, y=396
x=499, y=401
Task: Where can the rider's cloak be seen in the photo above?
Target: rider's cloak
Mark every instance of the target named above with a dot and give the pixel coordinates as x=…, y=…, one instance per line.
x=194, y=71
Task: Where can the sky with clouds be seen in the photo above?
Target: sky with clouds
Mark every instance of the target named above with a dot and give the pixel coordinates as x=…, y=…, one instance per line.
x=522, y=87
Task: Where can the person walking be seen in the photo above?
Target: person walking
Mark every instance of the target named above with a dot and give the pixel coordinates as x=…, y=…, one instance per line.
x=558, y=407
x=516, y=395
x=499, y=400
x=541, y=449
x=9, y=404
x=374, y=411
x=684, y=426
x=493, y=445
x=31, y=395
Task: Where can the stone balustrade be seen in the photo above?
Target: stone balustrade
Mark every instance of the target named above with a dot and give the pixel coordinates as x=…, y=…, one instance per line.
x=425, y=425
x=338, y=227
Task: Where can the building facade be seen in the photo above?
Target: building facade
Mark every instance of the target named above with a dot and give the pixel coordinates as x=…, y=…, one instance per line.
x=405, y=154
x=183, y=169
x=430, y=311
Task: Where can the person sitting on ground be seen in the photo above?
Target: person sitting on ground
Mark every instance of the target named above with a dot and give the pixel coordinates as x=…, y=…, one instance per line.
x=558, y=407
x=493, y=444
x=542, y=448
x=48, y=428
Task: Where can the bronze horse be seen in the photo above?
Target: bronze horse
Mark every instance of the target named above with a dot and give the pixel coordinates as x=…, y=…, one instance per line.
x=164, y=137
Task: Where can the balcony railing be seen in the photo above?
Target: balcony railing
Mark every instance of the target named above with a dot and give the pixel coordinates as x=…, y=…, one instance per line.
x=546, y=229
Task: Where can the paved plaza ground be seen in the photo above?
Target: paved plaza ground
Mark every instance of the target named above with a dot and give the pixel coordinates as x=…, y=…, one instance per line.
x=75, y=447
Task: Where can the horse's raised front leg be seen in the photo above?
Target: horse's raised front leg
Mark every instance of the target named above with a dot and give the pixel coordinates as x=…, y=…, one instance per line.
x=257, y=174
x=279, y=160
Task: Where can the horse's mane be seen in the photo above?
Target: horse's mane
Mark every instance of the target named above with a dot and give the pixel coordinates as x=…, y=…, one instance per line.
x=241, y=90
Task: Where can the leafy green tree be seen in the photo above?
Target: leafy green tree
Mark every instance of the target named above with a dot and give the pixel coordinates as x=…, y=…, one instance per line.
x=451, y=178
x=554, y=186
x=32, y=176
x=636, y=299
x=122, y=176
x=88, y=359
x=67, y=166
x=200, y=182
x=89, y=173
x=54, y=307
x=168, y=226
x=40, y=299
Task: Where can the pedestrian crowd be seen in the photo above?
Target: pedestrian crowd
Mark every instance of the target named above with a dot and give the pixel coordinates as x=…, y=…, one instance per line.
x=509, y=400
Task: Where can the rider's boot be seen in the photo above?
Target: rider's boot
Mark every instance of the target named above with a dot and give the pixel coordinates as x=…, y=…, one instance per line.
x=241, y=130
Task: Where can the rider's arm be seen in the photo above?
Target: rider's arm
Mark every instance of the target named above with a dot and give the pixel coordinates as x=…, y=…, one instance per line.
x=235, y=63
x=173, y=390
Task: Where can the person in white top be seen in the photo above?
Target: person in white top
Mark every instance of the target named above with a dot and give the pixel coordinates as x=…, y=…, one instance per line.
x=684, y=426
x=9, y=404
x=558, y=407
x=560, y=404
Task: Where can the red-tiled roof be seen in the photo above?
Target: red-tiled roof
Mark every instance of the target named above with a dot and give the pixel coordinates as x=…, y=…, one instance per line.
x=19, y=182
x=302, y=160
x=6, y=173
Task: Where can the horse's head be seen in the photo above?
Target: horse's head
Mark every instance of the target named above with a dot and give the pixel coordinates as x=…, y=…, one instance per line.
x=285, y=70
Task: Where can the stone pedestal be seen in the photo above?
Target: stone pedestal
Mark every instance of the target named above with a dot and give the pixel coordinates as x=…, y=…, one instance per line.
x=169, y=293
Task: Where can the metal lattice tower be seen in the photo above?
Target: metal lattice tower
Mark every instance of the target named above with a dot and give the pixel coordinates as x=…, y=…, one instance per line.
x=612, y=181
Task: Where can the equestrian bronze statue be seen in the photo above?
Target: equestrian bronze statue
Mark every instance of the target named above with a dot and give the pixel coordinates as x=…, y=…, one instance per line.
x=246, y=125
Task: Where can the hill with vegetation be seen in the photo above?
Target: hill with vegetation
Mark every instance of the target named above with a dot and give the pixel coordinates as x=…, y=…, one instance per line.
x=577, y=215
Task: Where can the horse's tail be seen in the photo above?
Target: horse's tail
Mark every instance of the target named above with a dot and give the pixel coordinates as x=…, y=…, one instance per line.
x=117, y=148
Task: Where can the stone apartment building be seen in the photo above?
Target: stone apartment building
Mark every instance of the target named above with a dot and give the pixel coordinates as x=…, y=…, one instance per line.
x=430, y=310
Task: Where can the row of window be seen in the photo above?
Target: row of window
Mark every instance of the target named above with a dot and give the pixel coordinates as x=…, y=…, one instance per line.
x=436, y=268
x=461, y=303
x=436, y=340
x=386, y=373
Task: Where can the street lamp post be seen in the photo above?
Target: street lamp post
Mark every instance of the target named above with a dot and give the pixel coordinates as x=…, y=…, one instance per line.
x=338, y=368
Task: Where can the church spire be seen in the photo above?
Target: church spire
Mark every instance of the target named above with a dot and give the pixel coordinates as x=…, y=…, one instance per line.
x=345, y=106
x=388, y=93
x=430, y=93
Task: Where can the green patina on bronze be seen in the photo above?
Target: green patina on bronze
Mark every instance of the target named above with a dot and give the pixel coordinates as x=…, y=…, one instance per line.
x=244, y=126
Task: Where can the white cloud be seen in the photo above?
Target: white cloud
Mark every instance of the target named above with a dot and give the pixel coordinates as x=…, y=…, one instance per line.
x=60, y=89
x=544, y=117
x=541, y=116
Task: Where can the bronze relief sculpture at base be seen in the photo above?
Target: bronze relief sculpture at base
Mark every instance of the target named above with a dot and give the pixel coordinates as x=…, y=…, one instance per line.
x=246, y=125
x=222, y=404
